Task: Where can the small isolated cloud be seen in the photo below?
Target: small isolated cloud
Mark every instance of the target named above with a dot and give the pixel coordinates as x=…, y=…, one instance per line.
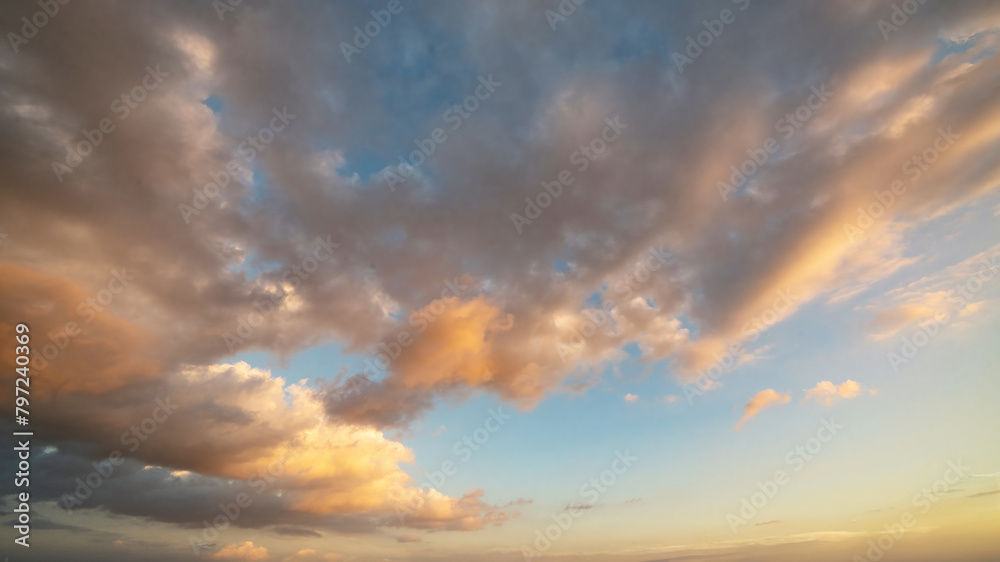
x=291, y=531
x=670, y=398
x=631, y=398
x=518, y=501
x=825, y=392
x=771, y=522
x=633, y=500
x=439, y=431
x=310, y=555
x=245, y=552
x=409, y=538
x=763, y=399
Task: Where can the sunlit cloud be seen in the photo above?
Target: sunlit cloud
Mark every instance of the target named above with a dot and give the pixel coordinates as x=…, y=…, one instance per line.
x=763, y=399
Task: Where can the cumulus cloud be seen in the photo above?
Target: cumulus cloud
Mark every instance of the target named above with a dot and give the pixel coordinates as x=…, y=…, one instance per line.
x=311, y=555
x=763, y=399
x=274, y=437
x=245, y=552
x=631, y=398
x=825, y=392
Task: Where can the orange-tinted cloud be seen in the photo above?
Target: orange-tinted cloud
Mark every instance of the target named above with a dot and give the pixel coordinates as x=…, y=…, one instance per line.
x=245, y=552
x=825, y=392
x=456, y=346
x=311, y=555
x=763, y=399
x=71, y=334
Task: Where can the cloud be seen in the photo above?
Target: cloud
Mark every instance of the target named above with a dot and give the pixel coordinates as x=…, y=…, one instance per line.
x=296, y=531
x=408, y=538
x=825, y=392
x=74, y=333
x=519, y=501
x=641, y=253
x=245, y=552
x=945, y=297
x=311, y=555
x=763, y=399
x=631, y=398
x=302, y=467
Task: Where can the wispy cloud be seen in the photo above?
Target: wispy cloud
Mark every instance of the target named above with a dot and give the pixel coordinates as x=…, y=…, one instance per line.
x=763, y=399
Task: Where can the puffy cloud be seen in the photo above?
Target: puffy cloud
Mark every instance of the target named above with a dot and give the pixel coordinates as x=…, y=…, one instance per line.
x=245, y=552
x=311, y=555
x=456, y=347
x=763, y=399
x=825, y=392
x=631, y=398
x=273, y=438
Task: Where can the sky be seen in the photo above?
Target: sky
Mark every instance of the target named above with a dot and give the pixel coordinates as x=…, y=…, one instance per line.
x=555, y=280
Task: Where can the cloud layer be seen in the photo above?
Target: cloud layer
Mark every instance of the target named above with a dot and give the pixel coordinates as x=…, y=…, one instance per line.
x=132, y=297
